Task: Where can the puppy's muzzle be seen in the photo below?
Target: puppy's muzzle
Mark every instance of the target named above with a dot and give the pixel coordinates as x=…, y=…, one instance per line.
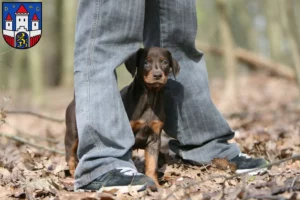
x=157, y=75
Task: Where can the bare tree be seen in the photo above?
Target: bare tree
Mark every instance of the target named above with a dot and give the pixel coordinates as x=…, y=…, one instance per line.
x=36, y=74
x=290, y=29
x=68, y=29
x=51, y=41
x=274, y=30
x=241, y=24
x=229, y=56
x=17, y=77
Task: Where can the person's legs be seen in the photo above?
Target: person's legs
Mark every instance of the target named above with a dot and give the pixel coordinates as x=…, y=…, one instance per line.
x=200, y=130
x=107, y=33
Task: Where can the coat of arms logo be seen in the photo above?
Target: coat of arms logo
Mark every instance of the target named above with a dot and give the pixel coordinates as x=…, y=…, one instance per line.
x=22, y=23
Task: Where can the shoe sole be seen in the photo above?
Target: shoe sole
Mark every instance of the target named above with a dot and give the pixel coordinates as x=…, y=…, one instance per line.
x=252, y=172
x=118, y=189
x=123, y=189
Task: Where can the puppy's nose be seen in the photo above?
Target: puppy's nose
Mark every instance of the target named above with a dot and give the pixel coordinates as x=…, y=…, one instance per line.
x=157, y=75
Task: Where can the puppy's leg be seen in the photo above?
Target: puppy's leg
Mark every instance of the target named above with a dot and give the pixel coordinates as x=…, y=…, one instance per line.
x=152, y=151
x=73, y=160
x=151, y=158
x=71, y=138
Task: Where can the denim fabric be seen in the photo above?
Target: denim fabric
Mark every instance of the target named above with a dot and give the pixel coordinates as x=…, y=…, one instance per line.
x=107, y=33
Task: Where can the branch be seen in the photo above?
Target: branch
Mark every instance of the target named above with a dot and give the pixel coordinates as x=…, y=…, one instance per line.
x=20, y=112
x=264, y=197
x=24, y=141
x=30, y=135
x=254, y=60
x=295, y=157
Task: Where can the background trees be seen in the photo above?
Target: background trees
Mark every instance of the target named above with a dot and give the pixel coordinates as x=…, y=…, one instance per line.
x=266, y=29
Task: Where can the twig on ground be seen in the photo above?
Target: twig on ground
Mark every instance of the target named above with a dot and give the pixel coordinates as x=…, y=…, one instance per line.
x=265, y=197
x=293, y=183
x=282, y=190
x=205, y=167
x=30, y=135
x=20, y=112
x=295, y=157
x=24, y=141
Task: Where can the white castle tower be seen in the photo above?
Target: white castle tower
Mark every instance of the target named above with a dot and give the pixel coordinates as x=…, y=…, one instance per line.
x=35, y=23
x=22, y=18
x=8, y=23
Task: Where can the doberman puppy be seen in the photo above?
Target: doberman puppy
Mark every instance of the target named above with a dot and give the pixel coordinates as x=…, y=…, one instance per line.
x=143, y=100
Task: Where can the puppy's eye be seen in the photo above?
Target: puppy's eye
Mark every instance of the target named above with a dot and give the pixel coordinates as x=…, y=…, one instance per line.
x=146, y=63
x=164, y=62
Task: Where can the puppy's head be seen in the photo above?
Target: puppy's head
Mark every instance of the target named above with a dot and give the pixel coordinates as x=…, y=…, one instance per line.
x=152, y=66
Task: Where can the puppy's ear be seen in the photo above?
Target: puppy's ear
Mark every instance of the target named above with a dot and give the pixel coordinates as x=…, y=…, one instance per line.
x=175, y=68
x=174, y=65
x=132, y=62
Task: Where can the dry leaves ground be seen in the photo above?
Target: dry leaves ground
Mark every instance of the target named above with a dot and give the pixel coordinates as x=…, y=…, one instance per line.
x=267, y=125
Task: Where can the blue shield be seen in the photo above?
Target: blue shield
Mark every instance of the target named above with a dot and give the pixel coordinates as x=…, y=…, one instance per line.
x=22, y=23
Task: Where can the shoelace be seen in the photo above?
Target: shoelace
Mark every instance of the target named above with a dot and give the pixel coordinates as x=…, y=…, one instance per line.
x=129, y=171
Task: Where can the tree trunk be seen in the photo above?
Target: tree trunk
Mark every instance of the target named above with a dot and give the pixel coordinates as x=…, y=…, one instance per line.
x=51, y=41
x=274, y=30
x=5, y=68
x=68, y=30
x=297, y=14
x=289, y=25
x=242, y=27
x=17, y=76
x=229, y=57
x=36, y=74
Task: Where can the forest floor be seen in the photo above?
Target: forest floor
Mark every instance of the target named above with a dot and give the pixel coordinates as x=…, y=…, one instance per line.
x=266, y=121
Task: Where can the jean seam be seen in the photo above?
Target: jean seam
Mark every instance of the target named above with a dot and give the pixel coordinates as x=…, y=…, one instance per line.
x=89, y=59
x=89, y=62
x=161, y=43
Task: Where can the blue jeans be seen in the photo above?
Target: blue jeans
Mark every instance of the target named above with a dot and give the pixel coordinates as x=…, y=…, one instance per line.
x=107, y=33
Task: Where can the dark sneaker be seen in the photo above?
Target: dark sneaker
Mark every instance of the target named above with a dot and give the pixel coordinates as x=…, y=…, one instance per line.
x=122, y=180
x=245, y=163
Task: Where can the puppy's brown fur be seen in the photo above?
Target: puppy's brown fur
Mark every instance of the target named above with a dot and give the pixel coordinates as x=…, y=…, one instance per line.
x=143, y=100
x=71, y=138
